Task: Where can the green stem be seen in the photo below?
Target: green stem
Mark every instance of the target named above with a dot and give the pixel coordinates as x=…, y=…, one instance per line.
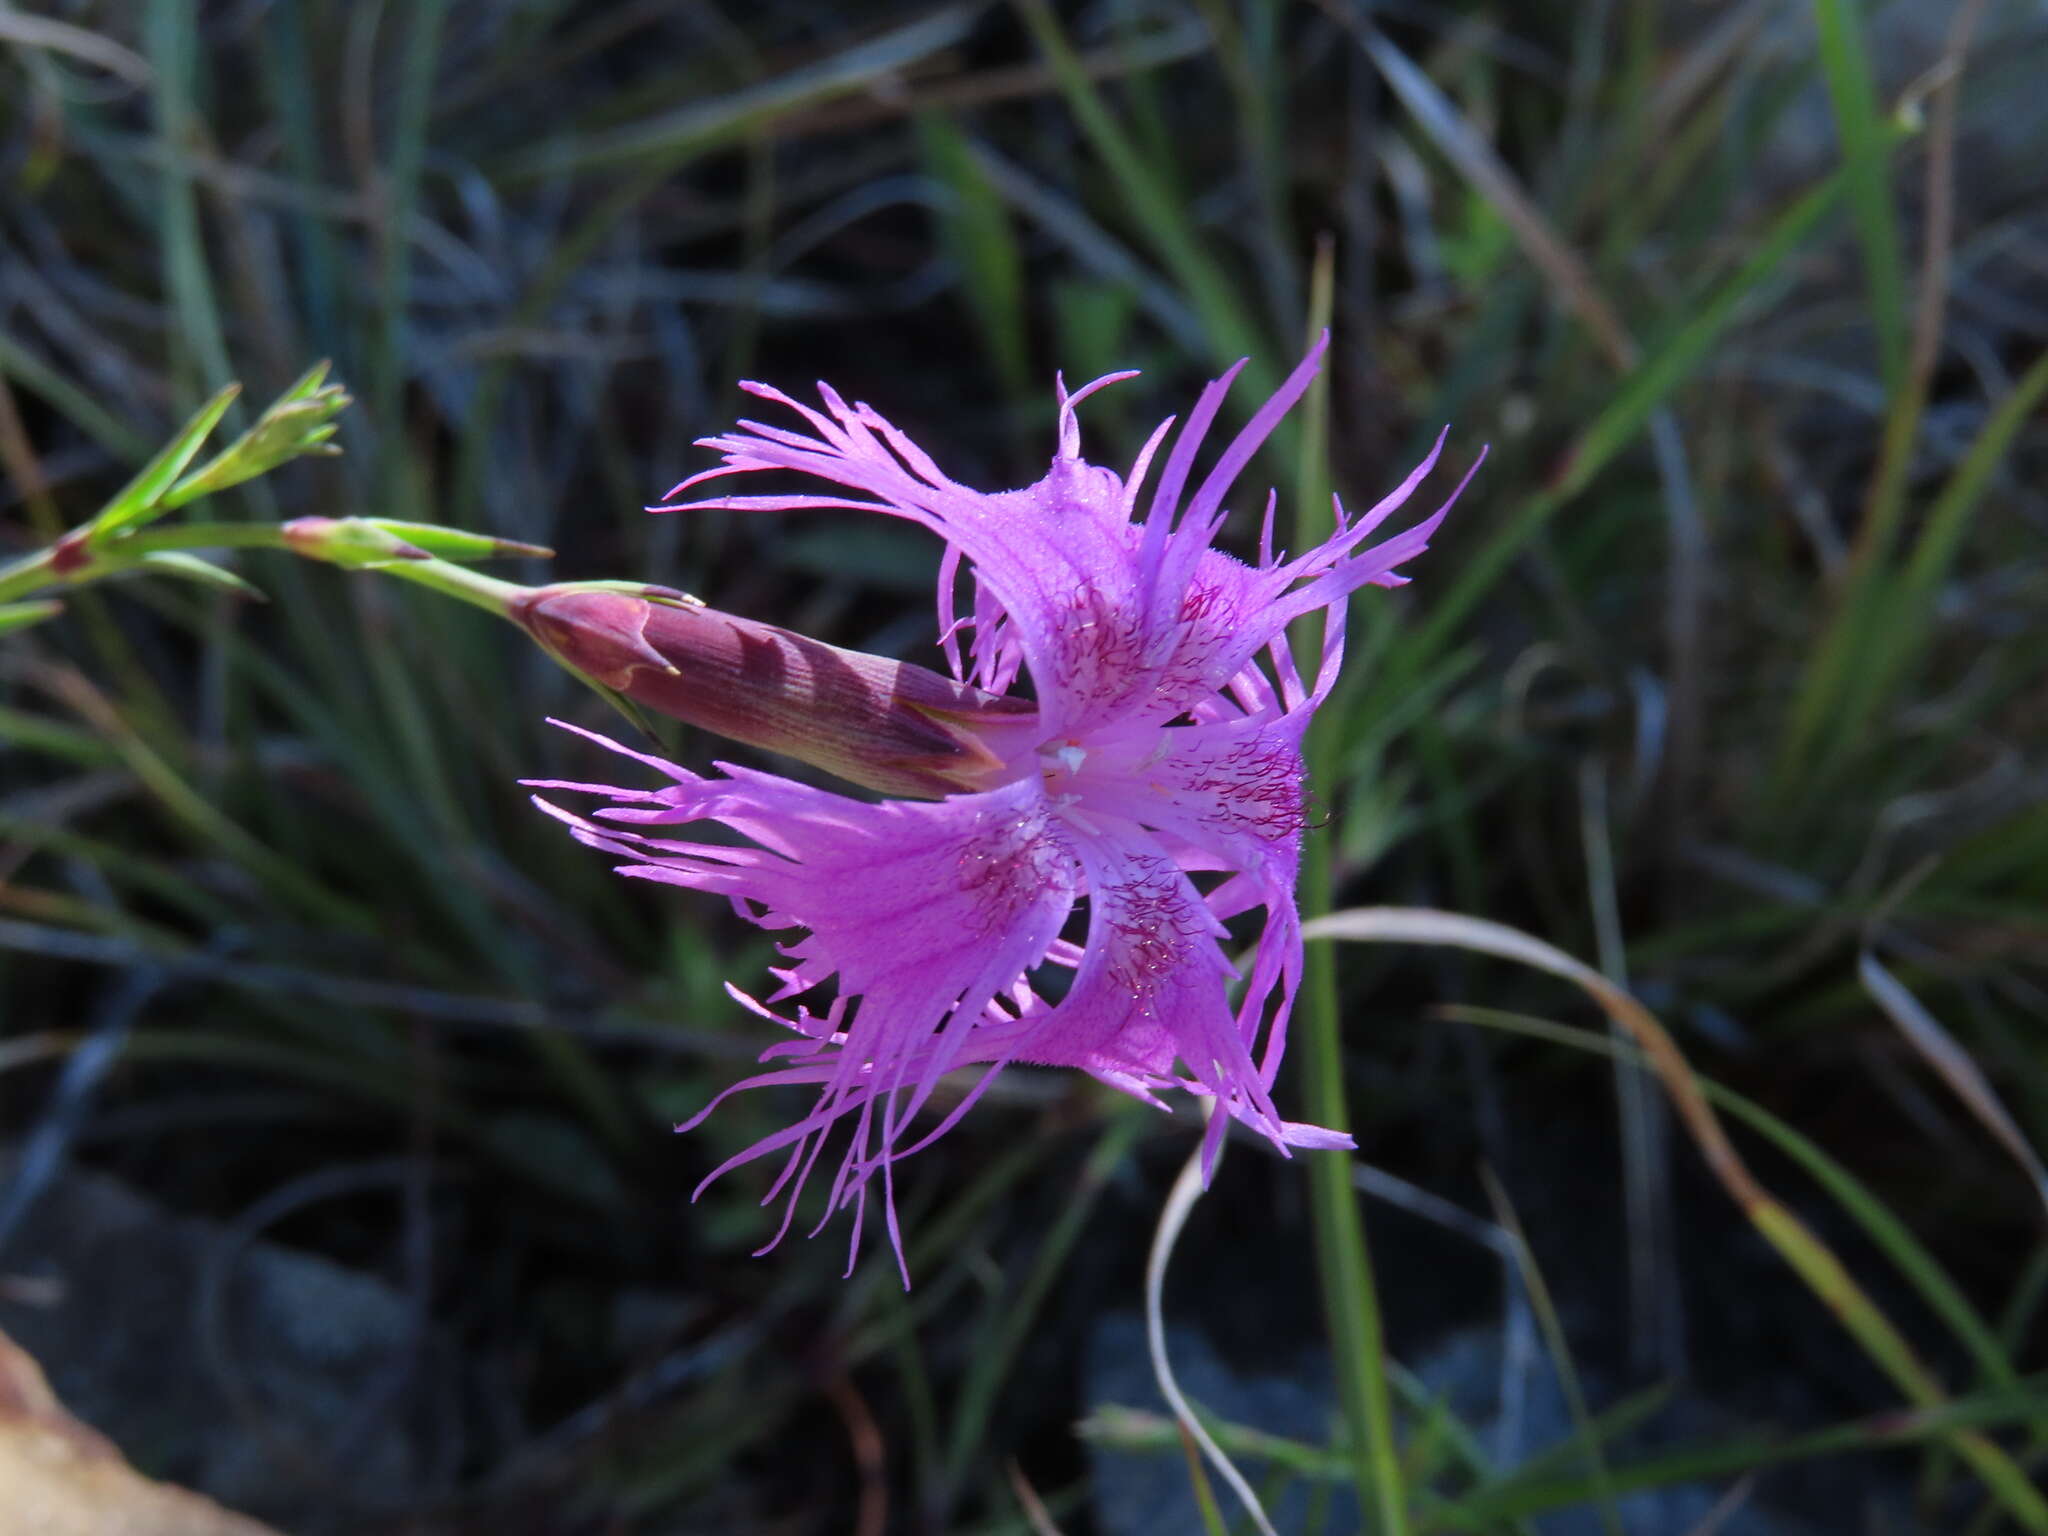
x=1350, y=1296
x=460, y=582
x=39, y=572
x=113, y=555
x=29, y=574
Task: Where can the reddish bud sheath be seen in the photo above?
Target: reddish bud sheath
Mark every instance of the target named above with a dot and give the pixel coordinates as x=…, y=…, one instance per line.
x=888, y=725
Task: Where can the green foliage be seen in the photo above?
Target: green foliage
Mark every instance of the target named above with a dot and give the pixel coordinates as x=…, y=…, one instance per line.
x=21, y=615
x=146, y=497
x=299, y=422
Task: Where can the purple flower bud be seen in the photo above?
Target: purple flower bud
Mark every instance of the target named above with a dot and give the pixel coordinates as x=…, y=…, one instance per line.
x=887, y=725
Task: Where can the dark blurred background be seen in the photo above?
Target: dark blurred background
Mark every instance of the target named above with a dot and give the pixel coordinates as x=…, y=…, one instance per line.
x=335, y=1084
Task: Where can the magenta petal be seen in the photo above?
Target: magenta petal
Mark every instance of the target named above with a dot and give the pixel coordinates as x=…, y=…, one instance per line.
x=1150, y=990
x=1114, y=619
x=1166, y=742
x=924, y=912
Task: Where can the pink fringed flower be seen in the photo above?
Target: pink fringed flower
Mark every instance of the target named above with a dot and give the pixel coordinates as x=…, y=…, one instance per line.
x=1165, y=749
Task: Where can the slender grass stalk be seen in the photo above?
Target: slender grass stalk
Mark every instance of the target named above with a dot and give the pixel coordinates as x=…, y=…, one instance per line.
x=1664, y=367
x=1229, y=327
x=1540, y=1486
x=1877, y=634
x=75, y=404
x=1921, y=1270
x=400, y=196
x=1560, y=1348
x=985, y=245
x=652, y=152
x=1802, y=1249
x=1015, y=1312
x=1350, y=1297
x=1845, y=62
x=171, y=31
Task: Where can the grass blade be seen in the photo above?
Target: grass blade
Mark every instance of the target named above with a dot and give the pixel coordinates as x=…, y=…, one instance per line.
x=1019, y=1310
x=1343, y=1257
x=1878, y=634
x=1963, y=1076
x=1845, y=62
x=141, y=498
x=1560, y=1351
x=400, y=195
x=171, y=30
x=1477, y=162
x=665, y=142
x=21, y=615
x=76, y=405
x=1232, y=333
x=1663, y=369
x=1809, y=1257
x=1517, y=1498
x=1890, y=1235
x=985, y=247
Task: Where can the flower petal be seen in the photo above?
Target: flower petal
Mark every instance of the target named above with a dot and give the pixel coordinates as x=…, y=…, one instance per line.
x=1114, y=619
x=1150, y=991
x=925, y=912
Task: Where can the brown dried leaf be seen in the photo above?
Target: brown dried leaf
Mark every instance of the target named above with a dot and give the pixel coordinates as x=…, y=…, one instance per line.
x=64, y=1478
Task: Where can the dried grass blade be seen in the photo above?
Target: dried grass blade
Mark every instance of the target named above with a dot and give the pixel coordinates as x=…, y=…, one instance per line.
x=1180, y=1201
x=1808, y=1255
x=1963, y=1076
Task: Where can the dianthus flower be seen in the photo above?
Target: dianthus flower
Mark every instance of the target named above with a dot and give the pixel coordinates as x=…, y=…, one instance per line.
x=1164, y=750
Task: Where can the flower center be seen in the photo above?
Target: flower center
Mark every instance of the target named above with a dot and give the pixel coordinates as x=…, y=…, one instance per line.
x=1062, y=759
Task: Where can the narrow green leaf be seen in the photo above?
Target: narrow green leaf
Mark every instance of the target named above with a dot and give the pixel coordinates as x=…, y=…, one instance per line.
x=654, y=151
x=171, y=34
x=308, y=384
x=1875, y=640
x=69, y=401
x=297, y=423
x=1232, y=330
x=1551, y=1326
x=976, y=226
x=665, y=141
x=169, y=562
x=458, y=543
x=1011, y=1320
x=1798, y=1245
x=141, y=500
x=293, y=85
x=1674, y=359
x=1890, y=1235
x=1845, y=61
x=1963, y=1076
x=40, y=733
x=400, y=193
x=1515, y=1497
x=1948, y=519
x=1343, y=1256
x=1205, y=1496
x=21, y=615
x=1648, y=386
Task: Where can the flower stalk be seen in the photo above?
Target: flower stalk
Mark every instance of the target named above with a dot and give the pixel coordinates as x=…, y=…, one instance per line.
x=1344, y=1265
x=881, y=723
